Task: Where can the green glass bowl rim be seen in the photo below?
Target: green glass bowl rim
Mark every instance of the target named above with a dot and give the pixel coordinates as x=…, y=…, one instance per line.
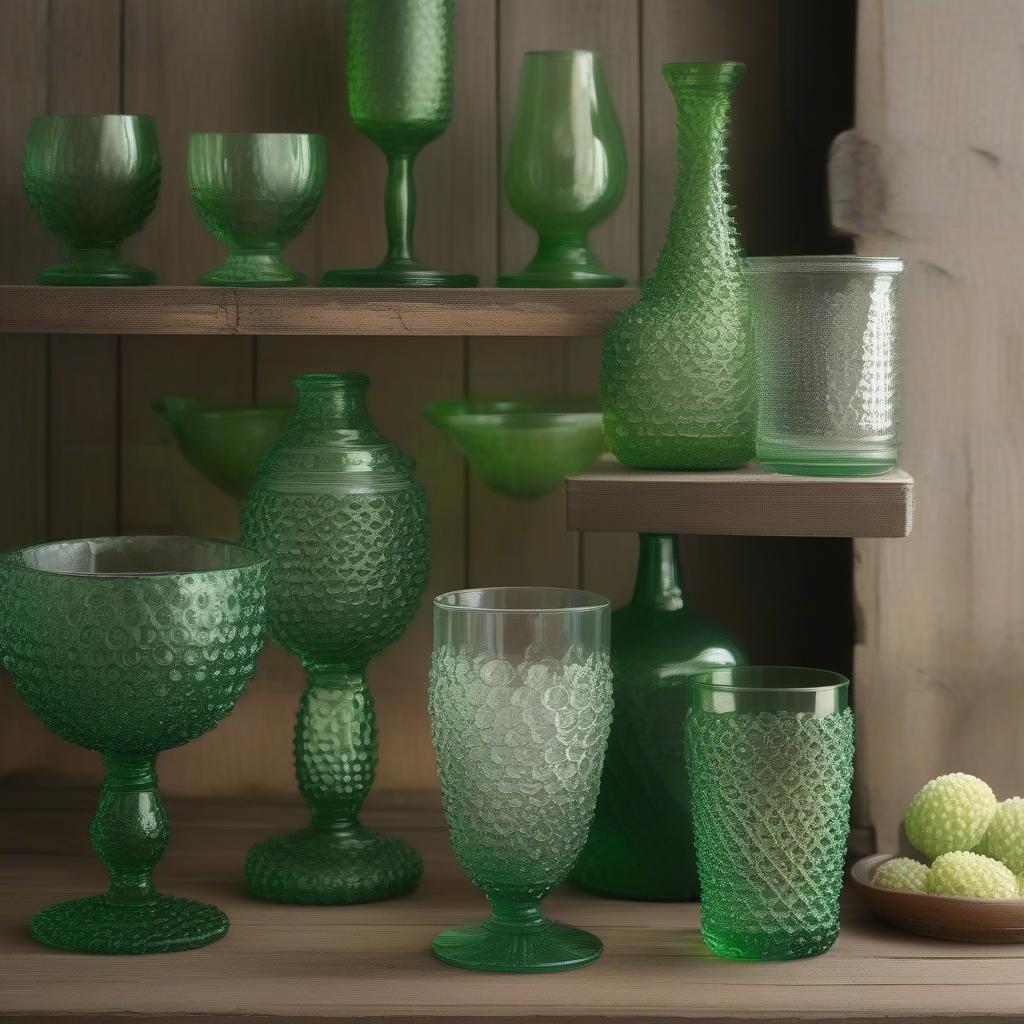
x=702, y=680
x=256, y=135
x=218, y=410
x=494, y=412
x=839, y=263
x=562, y=53
x=600, y=602
x=93, y=117
x=8, y=557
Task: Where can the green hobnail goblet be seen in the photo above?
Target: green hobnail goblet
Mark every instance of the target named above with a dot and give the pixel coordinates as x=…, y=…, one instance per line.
x=130, y=646
x=399, y=75
x=520, y=707
x=93, y=179
x=255, y=193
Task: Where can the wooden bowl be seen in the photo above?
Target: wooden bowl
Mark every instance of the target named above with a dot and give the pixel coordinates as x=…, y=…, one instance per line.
x=957, y=918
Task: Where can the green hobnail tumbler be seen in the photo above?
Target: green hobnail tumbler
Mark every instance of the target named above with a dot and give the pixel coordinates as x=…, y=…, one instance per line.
x=93, y=179
x=129, y=646
x=400, y=55
x=770, y=755
x=641, y=842
x=565, y=170
x=520, y=706
x=677, y=380
x=345, y=524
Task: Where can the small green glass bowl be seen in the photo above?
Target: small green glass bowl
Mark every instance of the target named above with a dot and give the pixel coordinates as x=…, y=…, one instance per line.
x=523, y=447
x=225, y=442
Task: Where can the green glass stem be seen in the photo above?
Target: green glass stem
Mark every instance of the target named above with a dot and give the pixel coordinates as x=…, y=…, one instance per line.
x=400, y=207
x=563, y=260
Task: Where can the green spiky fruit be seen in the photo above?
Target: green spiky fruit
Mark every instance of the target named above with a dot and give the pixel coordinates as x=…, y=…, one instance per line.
x=901, y=873
x=1004, y=838
x=950, y=813
x=970, y=874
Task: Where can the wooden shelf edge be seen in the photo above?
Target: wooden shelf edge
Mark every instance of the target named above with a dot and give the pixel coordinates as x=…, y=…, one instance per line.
x=444, y=312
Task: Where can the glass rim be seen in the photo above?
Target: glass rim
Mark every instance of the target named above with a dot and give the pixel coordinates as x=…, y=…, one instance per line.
x=92, y=117
x=592, y=602
x=254, y=559
x=703, y=681
x=561, y=53
x=197, y=407
x=837, y=263
x=255, y=135
x=323, y=380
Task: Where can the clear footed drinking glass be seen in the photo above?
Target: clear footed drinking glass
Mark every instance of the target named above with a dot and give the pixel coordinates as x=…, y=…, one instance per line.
x=520, y=705
x=770, y=757
x=255, y=192
x=565, y=171
x=93, y=179
x=826, y=334
x=130, y=646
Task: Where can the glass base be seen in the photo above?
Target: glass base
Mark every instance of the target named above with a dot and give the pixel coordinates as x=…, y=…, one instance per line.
x=398, y=274
x=555, y=278
x=802, y=461
x=770, y=946
x=523, y=950
x=254, y=270
x=317, y=865
x=81, y=273
x=95, y=925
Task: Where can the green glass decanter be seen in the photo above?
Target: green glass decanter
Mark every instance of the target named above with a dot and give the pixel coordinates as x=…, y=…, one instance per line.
x=346, y=526
x=677, y=382
x=641, y=842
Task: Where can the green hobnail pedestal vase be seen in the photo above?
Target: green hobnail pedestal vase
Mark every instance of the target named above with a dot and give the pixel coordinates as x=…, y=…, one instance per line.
x=336, y=508
x=677, y=381
x=641, y=842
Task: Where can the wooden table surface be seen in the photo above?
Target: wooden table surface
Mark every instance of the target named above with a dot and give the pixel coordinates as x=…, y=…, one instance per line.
x=373, y=961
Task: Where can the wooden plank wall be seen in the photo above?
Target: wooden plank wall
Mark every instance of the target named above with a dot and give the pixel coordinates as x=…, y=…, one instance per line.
x=88, y=456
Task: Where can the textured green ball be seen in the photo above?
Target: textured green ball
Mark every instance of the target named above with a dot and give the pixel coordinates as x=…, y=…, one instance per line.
x=970, y=874
x=1004, y=838
x=902, y=873
x=951, y=812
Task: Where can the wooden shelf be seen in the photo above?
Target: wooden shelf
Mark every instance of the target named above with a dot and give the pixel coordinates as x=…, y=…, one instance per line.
x=748, y=502
x=282, y=963
x=558, y=312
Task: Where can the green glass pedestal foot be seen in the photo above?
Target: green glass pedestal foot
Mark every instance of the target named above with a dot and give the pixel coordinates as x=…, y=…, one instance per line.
x=97, y=925
x=541, y=948
x=405, y=274
x=323, y=866
x=100, y=272
x=560, y=279
x=254, y=271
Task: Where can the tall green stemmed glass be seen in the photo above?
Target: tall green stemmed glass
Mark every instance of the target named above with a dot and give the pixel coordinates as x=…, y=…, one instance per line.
x=520, y=705
x=129, y=646
x=399, y=74
x=93, y=179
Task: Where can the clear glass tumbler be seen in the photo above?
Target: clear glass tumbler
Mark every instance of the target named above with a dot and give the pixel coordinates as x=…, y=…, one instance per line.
x=770, y=757
x=521, y=705
x=826, y=335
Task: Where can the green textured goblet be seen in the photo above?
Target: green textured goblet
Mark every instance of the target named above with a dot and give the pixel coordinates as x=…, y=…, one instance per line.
x=399, y=75
x=565, y=171
x=770, y=756
x=255, y=193
x=346, y=526
x=129, y=646
x=93, y=179
x=520, y=706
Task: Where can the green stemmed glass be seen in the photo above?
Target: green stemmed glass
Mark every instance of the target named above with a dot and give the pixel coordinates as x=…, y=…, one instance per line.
x=770, y=757
x=565, y=171
x=130, y=646
x=255, y=193
x=93, y=179
x=520, y=704
x=399, y=75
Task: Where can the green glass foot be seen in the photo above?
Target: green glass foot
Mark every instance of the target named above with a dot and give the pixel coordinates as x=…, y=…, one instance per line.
x=73, y=272
x=95, y=925
x=398, y=274
x=316, y=865
x=799, y=460
x=560, y=279
x=254, y=270
x=518, y=950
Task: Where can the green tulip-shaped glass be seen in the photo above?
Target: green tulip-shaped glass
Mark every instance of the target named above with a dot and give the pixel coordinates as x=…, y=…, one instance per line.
x=399, y=75
x=255, y=192
x=93, y=179
x=130, y=646
x=346, y=526
x=565, y=170
x=520, y=706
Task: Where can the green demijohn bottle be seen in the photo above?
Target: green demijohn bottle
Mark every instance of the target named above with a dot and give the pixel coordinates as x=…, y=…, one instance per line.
x=641, y=842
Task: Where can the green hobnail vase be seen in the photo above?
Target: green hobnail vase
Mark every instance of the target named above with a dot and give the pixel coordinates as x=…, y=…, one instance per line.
x=336, y=508
x=677, y=381
x=130, y=646
x=641, y=842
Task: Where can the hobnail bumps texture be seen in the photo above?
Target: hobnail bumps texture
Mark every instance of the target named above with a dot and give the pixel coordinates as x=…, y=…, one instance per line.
x=1004, y=838
x=949, y=813
x=771, y=811
x=677, y=380
x=962, y=873
x=902, y=873
x=519, y=751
